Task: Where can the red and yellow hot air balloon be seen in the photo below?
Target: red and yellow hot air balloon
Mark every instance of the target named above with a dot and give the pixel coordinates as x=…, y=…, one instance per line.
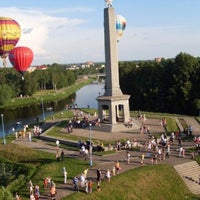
x=10, y=33
x=21, y=58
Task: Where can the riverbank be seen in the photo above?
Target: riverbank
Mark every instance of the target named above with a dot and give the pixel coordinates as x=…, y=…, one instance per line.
x=46, y=95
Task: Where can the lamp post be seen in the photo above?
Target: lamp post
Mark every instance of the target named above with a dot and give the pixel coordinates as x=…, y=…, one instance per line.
x=43, y=109
x=90, y=149
x=3, y=131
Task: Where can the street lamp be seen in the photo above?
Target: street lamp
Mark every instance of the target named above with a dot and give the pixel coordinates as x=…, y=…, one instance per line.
x=43, y=109
x=3, y=131
x=90, y=149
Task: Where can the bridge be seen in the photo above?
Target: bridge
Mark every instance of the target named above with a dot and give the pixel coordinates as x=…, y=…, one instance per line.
x=97, y=76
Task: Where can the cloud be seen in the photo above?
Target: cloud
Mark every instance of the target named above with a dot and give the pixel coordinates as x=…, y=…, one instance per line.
x=42, y=32
x=72, y=10
x=142, y=43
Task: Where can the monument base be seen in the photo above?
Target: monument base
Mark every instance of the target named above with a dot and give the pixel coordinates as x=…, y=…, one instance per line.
x=114, y=109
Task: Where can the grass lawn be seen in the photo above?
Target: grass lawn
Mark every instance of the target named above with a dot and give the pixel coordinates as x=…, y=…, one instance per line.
x=158, y=182
x=42, y=164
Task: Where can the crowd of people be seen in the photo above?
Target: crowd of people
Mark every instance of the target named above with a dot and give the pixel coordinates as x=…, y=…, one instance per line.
x=86, y=184
x=82, y=120
x=82, y=182
x=156, y=148
x=34, y=191
x=27, y=133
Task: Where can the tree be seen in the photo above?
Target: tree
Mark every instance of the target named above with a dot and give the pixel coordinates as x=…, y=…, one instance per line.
x=185, y=65
x=5, y=93
x=169, y=86
x=5, y=194
x=30, y=85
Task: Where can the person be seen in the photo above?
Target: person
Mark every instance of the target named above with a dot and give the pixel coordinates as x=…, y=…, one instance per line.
x=65, y=175
x=62, y=155
x=53, y=191
x=85, y=173
x=113, y=171
x=57, y=143
x=32, y=196
x=142, y=159
x=108, y=175
x=179, y=141
x=16, y=135
x=168, y=150
x=45, y=183
x=159, y=154
x=98, y=175
x=117, y=167
x=128, y=157
x=172, y=137
x=17, y=196
x=48, y=182
x=57, y=155
x=86, y=185
x=180, y=151
x=98, y=187
x=52, y=184
x=37, y=192
x=190, y=129
x=29, y=136
x=86, y=154
x=75, y=183
x=90, y=186
x=82, y=179
x=154, y=159
x=30, y=184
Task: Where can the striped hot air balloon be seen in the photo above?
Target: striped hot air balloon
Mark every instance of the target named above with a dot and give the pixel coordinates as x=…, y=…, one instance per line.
x=10, y=33
x=120, y=26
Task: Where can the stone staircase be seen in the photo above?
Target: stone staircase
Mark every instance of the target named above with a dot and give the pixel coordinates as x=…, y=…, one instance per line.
x=190, y=173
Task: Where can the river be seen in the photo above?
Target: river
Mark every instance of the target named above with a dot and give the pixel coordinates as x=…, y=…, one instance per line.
x=18, y=117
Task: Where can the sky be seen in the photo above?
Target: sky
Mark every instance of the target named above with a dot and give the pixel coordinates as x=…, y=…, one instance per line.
x=65, y=31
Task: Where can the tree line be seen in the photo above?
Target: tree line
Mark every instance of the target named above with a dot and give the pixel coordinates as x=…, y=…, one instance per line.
x=13, y=85
x=171, y=86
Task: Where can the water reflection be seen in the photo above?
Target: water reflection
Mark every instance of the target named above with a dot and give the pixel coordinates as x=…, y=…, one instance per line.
x=28, y=114
x=88, y=94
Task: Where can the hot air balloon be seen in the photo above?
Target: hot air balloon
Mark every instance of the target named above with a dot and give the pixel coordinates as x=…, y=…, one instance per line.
x=120, y=26
x=21, y=58
x=10, y=33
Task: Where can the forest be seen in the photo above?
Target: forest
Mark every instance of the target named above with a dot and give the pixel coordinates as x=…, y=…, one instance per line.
x=170, y=86
x=13, y=84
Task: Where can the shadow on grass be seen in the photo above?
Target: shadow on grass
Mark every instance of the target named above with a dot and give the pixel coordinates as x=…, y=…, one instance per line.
x=41, y=161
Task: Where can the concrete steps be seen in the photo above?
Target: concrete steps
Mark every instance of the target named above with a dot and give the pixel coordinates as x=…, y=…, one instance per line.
x=190, y=173
x=120, y=127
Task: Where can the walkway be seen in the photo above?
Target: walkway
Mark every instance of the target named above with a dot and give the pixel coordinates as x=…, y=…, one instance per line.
x=107, y=162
